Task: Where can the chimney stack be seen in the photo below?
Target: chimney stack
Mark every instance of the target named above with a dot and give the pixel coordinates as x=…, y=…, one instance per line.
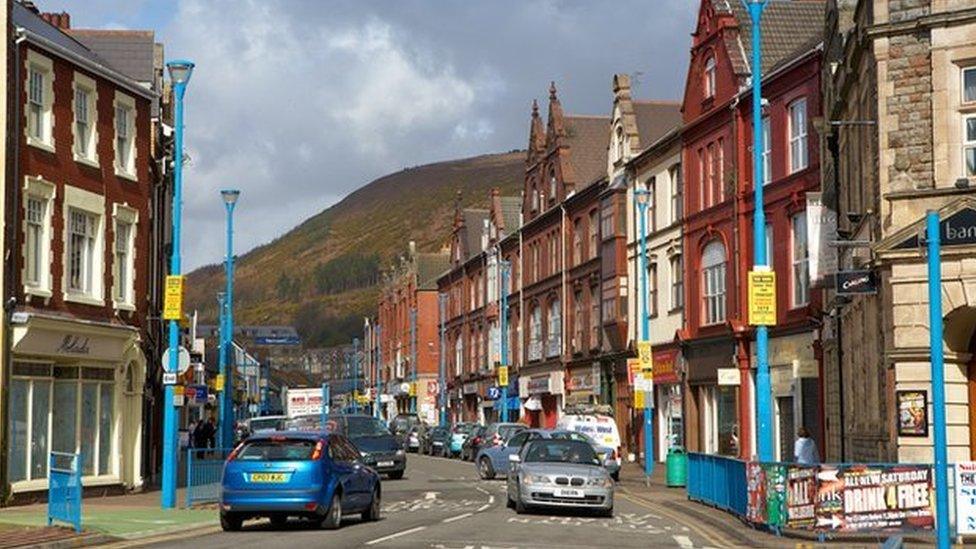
x=60, y=20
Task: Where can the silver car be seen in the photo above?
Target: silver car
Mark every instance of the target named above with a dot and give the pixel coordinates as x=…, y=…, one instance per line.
x=559, y=473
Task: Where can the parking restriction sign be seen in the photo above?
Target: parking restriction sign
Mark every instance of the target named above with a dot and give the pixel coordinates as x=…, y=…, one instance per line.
x=762, y=298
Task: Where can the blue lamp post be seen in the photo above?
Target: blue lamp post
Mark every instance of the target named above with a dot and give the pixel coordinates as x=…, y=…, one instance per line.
x=355, y=375
x=442, y=382
x=642, y=197
x=377, y=366
x=764, y=391
x=933, y=241
x=227, y=396
x=503, y=328
x=179, y=74
x=413, y=360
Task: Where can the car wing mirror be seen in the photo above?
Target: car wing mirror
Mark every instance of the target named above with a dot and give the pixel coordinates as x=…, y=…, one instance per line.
x=514, y=458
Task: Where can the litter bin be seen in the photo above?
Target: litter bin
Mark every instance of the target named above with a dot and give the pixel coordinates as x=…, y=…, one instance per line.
x=677, y=465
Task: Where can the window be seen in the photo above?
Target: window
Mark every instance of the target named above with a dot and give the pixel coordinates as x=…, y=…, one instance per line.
x=536, y=261
x=801, y=258
x=709, y=77
x=969, y=85
x=535, y=199
x=125, y=136
x=769, y=245
x=594, y=234
x=578, y=327
x=594, y=317
x=710, y=176
x=767, y=157
x=577, y=241
x=677, y=283
x=713, y=282
x=798, y=135
x=40, y=101
x=535, y=333
x=554, y=265
x=85, y=118
x=458, y=354
x=618, y=144
x=652, y=290
x=555, y=331
x=652, y=204
x=81, y=251
x=969, y=145
x=606, y=222
x=122, y=263
x=552, y=184
x=677, y=201
x=35, y=244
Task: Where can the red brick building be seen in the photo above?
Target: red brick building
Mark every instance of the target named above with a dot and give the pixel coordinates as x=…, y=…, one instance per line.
x=79, y=211
x=407, y=332
x=717, y=163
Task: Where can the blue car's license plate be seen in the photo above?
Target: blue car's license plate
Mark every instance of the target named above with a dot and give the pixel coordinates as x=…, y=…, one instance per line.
x=268, y=477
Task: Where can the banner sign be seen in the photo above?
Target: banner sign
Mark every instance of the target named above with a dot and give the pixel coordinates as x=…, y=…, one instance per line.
x=756, y=490
x=821, y=234
x=870, y=498
x=966, y=498
x=801, y=492
x=762, y=298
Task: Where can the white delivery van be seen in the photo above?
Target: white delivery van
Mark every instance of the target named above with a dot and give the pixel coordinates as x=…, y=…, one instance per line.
x=601, y=428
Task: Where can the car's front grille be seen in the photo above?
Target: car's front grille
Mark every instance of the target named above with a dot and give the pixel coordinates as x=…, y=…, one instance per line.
x=575, y=481
x=552, y=498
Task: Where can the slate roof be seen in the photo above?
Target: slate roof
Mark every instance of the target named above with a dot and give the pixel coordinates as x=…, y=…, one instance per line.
x=788, y=29
x=429, y=267
x=23, y=17
x=511, y=213
x=655, y=118
x=588, y=138
x=128, y=51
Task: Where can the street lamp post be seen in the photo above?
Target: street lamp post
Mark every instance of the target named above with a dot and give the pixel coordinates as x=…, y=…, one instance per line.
x=413, y=360
x=377, y=365
x=221, y=359
x=642, y=197
x=355, y=374
x=442, y=382
x=937, y=362
x=230, y=197
x=764, y=409
x=179, y=73
x=503, y=328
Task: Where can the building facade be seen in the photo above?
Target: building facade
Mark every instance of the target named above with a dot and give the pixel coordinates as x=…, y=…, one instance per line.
x=80, y=261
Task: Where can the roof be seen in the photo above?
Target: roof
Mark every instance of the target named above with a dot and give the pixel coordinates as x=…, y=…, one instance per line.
x=511, y=213
x=788, y=29
x=128, y=51
x=429, y=267
x=474, y=222
x=655, y=119
x=588, y=138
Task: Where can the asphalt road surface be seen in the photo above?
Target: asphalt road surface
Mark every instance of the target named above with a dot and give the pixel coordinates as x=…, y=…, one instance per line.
x=441, y=504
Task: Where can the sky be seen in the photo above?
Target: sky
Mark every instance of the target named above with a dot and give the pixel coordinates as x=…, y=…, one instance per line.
x=299, y=102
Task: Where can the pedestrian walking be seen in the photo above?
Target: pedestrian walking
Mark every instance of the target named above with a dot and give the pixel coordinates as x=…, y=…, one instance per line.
x=211, y=432
x=805, y=448
x=199, y=436
x=190, y=430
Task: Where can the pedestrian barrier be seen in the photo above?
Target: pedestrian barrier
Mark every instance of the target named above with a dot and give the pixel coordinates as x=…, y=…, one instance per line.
x=64, y=489
x=718, y=481
x=204, y=469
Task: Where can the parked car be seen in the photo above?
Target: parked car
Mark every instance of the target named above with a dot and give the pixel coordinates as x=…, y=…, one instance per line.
x=424, y=432
x=411, y=441
x=558, y=473
x=602, y=429
x=492, y=460
x=438, y=442
x=469, y=448
x=459, y=434
x=306, y=474
x=402, y=423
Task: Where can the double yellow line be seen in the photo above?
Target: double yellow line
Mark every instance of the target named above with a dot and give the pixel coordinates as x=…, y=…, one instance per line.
x=713, y=537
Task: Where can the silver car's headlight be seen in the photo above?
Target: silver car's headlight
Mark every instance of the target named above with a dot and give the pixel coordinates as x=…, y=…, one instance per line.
x=603, y=482
x=535, y=479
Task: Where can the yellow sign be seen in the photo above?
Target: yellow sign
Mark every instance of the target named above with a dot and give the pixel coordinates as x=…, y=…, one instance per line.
x=178, y=390
x=644, y=356
x=173, y=298
x=413, y=389
x=639, y=399
x=503, y=376
x=762, y=298
x=219, y=385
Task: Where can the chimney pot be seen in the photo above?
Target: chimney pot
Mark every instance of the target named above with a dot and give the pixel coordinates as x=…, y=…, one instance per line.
x=60, y=20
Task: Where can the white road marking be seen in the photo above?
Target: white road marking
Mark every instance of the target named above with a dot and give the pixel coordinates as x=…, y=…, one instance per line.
x=482, y=490
x=430, y=495
x=683, y=541
x=459, y=517
x=394, y=536
x=483, y=507
x=491, y=499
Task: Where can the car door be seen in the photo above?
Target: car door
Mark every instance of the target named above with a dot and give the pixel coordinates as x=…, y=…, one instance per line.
x=511, y=447
x=359, y=482
x=342, y=469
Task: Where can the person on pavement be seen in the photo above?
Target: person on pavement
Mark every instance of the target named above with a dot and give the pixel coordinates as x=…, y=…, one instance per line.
x=805, y=448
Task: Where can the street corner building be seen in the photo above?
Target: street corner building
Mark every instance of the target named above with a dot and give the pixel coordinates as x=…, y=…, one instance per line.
x=78, y=249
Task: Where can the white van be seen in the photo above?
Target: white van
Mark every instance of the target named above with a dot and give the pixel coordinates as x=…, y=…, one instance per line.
x=601, y=428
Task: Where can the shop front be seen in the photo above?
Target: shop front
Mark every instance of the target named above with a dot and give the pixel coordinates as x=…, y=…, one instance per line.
x=76, y=387
x=583, y=385
x=712, y=403
x=543, y=393
x=455, y=410
x=514, y=402
x=472, y=409
x=668, y=401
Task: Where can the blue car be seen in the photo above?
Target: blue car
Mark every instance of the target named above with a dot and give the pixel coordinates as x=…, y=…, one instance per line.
x=282, y=474
x=459, y=434
x=492, y=460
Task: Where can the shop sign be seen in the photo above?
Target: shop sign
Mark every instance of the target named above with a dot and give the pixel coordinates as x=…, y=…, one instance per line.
x=966, y=497
x=853, y=498
x=538, y=385
x=664, y=371
x=74, y=345
x=633, y=366
x=762, y=298
x=959, y=229
x=729, y=376
x=584, y=380
x=856, y=282
x=173, y=298
x=470, y=388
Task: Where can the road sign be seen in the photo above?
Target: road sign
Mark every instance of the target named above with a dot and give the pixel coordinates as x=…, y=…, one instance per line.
x=169, y=378
x=413, y=388
x=183, y=363
x=494, y=393
x=173, y=298
x=762, y=298
x=643, y=385
x=644, y=356
x=503, y=376
x=639, y=400
x=219, y=384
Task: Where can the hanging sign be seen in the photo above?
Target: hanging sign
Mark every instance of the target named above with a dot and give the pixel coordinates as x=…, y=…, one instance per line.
x=503, y=376
x=219, y=384
x=173, y=298
x=856, y=282
x=762, y=298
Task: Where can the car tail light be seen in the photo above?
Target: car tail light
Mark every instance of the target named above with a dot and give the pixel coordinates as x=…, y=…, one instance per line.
x=476, y=440
x=317, y=452
x=234, y=452
x=496, y=440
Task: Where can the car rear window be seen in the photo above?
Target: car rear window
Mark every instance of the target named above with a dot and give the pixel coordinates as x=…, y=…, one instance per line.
x=365, y=427
x=277, y=450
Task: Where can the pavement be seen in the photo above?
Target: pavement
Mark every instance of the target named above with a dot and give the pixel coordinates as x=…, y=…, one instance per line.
x=439, y=504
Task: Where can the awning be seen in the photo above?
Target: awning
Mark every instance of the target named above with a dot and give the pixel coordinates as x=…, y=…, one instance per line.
x=513, y=403
x=533, y=404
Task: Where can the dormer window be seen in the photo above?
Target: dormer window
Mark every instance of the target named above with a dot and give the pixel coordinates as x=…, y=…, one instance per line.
x=709, y=77
x=618, y=144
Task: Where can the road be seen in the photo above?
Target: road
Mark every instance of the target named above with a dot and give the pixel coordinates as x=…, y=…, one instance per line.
x=441, y=504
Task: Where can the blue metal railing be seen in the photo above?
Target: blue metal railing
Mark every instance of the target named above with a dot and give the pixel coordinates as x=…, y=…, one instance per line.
x=64, y=489
x=204, y=469
x=718, y=481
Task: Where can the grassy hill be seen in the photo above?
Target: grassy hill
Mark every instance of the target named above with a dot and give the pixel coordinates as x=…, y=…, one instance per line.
x=322, y=275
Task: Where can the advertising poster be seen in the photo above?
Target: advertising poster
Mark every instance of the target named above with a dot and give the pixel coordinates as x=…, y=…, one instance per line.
x=801, y=491
x=966, y=498
x=913, y=418
x=874, y=498
x=756, y=490
x=775, y=494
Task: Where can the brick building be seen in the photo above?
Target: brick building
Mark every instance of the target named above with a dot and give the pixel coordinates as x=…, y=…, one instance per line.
x=78, y=200
x=717, y=166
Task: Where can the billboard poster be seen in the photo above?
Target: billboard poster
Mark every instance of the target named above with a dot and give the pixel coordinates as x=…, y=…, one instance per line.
x=966, y=498
x=872, y=498
x=756, y=493
x=801, y=491
x=775, y=494
x=913, y=419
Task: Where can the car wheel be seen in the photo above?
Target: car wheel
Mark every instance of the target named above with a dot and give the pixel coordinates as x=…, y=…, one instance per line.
x=333, y=517
x=615, y=476
x=396, y=475
x=373, y=513
x=508, y=502
x=230, y=522
x=485, y=470
x=520, y=507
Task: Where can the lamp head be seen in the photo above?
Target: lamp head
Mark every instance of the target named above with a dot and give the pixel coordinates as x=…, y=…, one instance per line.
x=642, y=196
x=230, y=196
x=180, y=71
